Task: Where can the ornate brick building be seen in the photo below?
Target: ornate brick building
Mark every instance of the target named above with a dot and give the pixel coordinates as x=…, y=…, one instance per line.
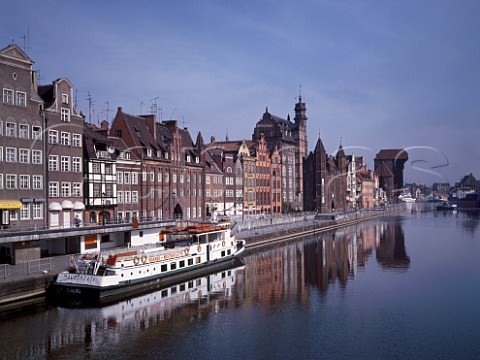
x=324, y=180
x=290, y=140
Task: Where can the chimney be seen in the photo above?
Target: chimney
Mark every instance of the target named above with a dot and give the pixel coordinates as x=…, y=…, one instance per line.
x=152, y=124
x=212, y=139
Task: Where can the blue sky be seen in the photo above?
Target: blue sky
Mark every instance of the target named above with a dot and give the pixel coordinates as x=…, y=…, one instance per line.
x=376, y=74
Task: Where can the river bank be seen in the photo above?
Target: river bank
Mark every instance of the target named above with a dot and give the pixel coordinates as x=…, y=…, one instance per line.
x=29, y=290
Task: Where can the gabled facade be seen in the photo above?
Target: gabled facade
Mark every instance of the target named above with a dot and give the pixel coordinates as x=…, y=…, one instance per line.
x=324, y=180
x=63, y=133
x=171, y=183
x=22, y=143
x=100, y=171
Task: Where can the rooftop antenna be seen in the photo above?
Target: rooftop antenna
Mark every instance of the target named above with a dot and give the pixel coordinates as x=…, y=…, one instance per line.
x=141, y=107
x=184, y=122
x=154, y=107
x=26, y=40
x=226, y=136
x=90, y=107
x=108, y=110
x=75, y=100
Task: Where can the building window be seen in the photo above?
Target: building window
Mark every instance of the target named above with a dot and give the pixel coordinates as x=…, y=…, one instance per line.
x=1, y=153
x=37, y=211
x=77, y=189
x=23, y=131
x=64, y=99
x=10, y=154
x=108, y=190
x=53, y=189
x=119, y=177
x=1, y=128
x=65, y=164
x=96, y=168
x=159, y=177
x=207, y=180
x=1, y=181
x=37, y=182
x=65, y=115
x=76, y=164
x=174, y=178
x=152, y=193
x=134, y=197
x=65, y=139
x=11, y=129
x=8, y=96
x=120, y=197
x=66, y=189
x=25, y=212
x=21, y=99
x=127, y=197
x=24, y=156
x=108, y=169
x=126, y=178
x=97, y=190
x=76, y=140
x=134, y=178
x=53, y=163
x=53, y=136
x=181, y=179
x=24, y=181
x=11, y=181
x=37, y=132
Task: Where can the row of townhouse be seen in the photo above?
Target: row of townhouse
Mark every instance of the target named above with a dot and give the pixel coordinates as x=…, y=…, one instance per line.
x=57, y=171
x=41, y=151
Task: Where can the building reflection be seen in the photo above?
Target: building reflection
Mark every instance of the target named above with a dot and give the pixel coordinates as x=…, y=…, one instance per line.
x=391, y=252
x=323, y=260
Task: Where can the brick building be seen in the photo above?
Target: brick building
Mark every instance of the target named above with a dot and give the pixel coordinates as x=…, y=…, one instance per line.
x=389, y=165
x=64, y=129
x=22, y=144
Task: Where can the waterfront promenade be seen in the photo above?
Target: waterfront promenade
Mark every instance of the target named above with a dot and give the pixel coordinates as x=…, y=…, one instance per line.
x=19, y=283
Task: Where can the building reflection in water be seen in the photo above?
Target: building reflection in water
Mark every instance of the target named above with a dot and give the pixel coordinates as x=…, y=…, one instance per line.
x=323, y=260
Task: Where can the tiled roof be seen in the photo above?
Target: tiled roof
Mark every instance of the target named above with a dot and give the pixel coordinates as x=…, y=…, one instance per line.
x=391, y=154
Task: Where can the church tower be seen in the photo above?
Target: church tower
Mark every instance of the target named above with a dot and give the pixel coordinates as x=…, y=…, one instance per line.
x=299, y=133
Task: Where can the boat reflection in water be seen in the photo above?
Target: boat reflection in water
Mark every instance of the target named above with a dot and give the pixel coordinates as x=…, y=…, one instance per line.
x=137, y=311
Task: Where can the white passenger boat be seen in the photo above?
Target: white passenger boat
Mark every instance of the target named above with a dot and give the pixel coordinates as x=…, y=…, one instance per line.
x=406, y=198
x=183, y=252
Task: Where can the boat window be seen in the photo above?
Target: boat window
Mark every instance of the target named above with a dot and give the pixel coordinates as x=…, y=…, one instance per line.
x=163, y=267
x=199, y=282
x=182, y=263
x=164, y=293
x=182, y=287
x=190, y=284
x=223, y=252
x=173, y=290
x=229, y=252
x=198, y=260
x=203, y=239
x=173, y=266
x=190, y=262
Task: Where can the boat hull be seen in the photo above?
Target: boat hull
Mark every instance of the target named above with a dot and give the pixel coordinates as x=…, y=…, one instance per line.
x=82, y=295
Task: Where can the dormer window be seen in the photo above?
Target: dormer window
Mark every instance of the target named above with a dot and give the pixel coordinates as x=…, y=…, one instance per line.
x=188, y=158
x=64, y=99
x=159, y=154
x=149, y=152
x=166, y=155
x=197, y=160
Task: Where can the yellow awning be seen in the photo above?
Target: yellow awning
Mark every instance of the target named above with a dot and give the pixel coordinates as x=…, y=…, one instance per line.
x=10, y=204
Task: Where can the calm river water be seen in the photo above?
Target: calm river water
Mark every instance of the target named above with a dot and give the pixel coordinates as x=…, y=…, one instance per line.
x=405, y=287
